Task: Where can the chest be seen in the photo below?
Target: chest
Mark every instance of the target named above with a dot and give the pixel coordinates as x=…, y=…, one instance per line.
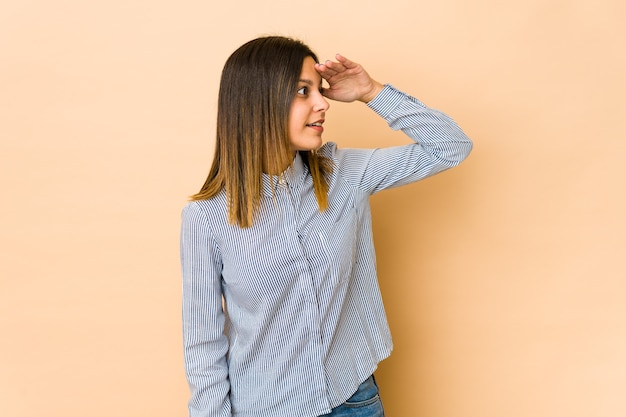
x=293, y=244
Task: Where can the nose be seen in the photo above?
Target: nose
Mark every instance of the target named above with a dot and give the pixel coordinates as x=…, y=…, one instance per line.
x=321, y=104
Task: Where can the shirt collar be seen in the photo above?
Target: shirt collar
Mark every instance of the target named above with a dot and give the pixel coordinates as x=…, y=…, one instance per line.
x=290, y=177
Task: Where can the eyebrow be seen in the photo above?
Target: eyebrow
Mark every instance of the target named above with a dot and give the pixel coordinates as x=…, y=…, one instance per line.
x=309, y=82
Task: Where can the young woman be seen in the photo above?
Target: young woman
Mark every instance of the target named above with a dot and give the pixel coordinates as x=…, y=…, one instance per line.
x=282, y=312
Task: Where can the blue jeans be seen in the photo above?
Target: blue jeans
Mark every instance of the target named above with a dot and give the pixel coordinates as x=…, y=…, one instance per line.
x=364, y=403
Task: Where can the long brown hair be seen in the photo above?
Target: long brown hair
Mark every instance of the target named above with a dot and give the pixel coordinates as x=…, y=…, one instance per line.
x=258, y=84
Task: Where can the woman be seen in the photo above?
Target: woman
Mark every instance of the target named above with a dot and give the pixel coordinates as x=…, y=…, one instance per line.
x=282, y=312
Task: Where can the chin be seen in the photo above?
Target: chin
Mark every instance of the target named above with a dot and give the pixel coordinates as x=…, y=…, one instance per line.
x=317, y=145
x=309, y=146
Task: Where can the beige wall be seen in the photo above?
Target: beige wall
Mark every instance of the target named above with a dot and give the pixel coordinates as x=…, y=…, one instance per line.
x=504, y=279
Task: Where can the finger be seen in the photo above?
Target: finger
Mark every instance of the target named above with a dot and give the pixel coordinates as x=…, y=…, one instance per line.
x=345, y=61
x=328, y=93
x=325, y=70
x=334, y=66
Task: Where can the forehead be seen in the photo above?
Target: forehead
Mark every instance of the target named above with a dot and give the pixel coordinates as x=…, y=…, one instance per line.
x=308, y=71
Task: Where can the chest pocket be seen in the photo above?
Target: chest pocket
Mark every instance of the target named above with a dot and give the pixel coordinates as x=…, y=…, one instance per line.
x=339, y=246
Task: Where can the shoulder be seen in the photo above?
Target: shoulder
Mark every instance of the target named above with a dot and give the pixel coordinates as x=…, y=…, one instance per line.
x=346, y=159
x=203, y=221
x=205, y=210
x=339, y=155
x=349, y=164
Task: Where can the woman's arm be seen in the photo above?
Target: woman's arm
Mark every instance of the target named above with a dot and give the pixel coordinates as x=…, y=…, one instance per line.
x=439, y=143
x=205, y=343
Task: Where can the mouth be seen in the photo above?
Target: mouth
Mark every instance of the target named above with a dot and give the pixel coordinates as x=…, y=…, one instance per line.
x=316, y=125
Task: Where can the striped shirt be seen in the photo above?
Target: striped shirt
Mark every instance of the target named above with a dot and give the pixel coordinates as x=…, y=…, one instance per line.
x=302, y=322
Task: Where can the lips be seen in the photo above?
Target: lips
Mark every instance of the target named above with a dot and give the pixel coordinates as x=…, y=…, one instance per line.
x=318, y=123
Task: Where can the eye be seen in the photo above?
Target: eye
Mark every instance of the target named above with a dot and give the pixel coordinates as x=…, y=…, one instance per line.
x=303, y=91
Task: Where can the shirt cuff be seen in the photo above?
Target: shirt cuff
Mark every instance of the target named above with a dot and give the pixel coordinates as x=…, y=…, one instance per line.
x=389, y=99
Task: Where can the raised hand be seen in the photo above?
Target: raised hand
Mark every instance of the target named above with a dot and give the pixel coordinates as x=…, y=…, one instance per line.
x=347, y=80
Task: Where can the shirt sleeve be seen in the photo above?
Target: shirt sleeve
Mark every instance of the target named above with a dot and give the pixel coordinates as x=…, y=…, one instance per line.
x=205, y=344
x=439, y=144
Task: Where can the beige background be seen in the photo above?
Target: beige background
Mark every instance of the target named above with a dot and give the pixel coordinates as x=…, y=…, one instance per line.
x=504, y=279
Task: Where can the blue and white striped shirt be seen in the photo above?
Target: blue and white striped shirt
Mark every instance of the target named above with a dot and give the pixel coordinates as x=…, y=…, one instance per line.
x=302, y=323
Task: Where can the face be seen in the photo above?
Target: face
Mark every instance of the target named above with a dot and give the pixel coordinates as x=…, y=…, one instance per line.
x=308, y=110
